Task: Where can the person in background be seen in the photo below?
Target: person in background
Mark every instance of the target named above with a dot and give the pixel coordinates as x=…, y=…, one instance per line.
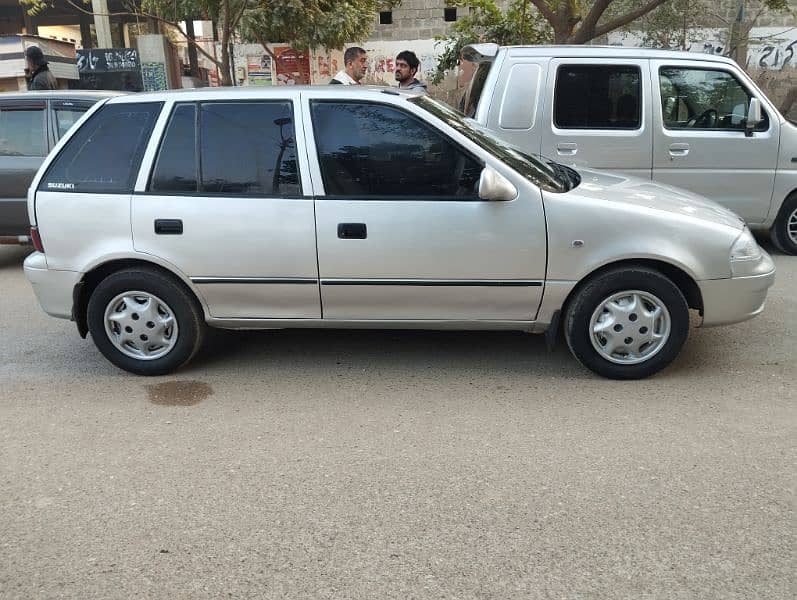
x=37, y=73
x=355, y=61
x=406, y=67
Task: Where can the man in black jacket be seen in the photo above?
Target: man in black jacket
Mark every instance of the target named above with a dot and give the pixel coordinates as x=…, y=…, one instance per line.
x=37, y=73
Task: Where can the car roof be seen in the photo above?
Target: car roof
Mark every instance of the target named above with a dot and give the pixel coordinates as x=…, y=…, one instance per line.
x=372, y=92
x=60, y=94
x=612, y=52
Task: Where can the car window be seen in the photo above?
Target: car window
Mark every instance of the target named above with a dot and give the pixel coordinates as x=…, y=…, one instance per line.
x=598, y=97
x=248, y=148
x=177, y=167
x=374, y=150
x=104, y=155
x=22, y=132
x=470, y=102
x=693, y=98
x=66, y=116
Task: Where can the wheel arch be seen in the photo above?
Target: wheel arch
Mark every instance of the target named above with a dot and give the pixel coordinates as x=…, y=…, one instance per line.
x=91, y=279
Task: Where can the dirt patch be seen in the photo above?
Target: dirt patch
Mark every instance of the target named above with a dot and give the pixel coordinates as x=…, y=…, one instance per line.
x=179, y=393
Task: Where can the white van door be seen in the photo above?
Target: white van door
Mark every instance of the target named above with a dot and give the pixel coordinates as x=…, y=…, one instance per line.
x=700, y=142
x=597, y=114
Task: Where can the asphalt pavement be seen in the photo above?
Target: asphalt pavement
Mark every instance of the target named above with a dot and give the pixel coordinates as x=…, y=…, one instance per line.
x=379, y=464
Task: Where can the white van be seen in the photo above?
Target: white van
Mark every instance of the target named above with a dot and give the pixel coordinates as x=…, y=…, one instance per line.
x=695, y=121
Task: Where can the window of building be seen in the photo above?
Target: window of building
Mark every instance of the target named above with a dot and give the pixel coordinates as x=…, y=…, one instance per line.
x=386, y=17
x=450, y=14
x=598, y=97
x=373, y=150
x=104, y=156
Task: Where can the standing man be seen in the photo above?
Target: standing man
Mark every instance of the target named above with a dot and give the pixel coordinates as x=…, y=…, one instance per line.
x=37, y=73
x=406, y=67
x=356, y=63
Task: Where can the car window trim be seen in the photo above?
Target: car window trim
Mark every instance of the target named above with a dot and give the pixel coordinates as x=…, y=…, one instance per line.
x=370, y=197
x=768, y=119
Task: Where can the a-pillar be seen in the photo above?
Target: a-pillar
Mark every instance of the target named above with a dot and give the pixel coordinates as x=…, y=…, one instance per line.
x=102, y=23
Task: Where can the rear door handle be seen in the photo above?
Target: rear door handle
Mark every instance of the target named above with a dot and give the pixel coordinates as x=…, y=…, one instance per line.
x=352, y=231
x=566, y=148
x=169, y=226
x=679, y=150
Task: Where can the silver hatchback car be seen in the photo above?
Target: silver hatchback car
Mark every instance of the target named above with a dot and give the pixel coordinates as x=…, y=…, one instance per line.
x=160, y=214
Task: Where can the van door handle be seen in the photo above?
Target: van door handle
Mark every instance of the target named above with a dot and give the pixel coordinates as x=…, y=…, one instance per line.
x=169, y=226
x=352, y=231
x=679, y=150
x=566, y=149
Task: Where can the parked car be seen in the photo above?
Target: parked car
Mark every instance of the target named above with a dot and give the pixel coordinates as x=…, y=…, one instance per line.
x=691, y=120
x=340, y=207
x=30, y=125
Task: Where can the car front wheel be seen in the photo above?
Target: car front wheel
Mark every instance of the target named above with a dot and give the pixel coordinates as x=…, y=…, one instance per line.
x=627, y=323
x=144, y=322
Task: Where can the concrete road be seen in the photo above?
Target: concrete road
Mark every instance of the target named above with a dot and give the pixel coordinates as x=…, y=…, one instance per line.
x=396, y=465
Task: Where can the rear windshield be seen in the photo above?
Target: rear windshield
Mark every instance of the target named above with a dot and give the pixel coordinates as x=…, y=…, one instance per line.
x=474, y=93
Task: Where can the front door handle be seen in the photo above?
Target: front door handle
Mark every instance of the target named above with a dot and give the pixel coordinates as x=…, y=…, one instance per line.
x=679, y=150
x=352, y=231
x=566, y=149
x=169, y=226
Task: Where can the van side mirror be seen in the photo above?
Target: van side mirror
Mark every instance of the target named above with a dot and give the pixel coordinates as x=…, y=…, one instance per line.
x=753, y=116
x=496, y=187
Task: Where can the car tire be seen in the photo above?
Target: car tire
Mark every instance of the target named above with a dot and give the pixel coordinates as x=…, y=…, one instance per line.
x=627, y=323
x=784, y=230
x=145, y=322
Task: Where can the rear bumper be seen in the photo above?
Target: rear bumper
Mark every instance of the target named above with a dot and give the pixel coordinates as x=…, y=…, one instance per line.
x=736, y=299
x=53, y=289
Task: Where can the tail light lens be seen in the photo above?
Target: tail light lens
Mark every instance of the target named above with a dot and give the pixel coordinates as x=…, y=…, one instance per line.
x=36, y=239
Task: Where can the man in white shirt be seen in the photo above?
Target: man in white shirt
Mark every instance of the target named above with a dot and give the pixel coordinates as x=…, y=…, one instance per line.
x=356, y=63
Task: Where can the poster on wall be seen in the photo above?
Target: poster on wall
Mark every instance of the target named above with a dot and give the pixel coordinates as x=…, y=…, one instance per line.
x=258, y=69
x=292, y=67
x=109, y=69
x=154, y=76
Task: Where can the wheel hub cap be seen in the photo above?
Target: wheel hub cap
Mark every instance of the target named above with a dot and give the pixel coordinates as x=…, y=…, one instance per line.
x=791, y=226
x=630, y=327
x=141, y=325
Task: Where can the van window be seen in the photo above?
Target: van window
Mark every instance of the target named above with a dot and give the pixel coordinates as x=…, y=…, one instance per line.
x=598, y=97
x=104, y=155
x=693, y=98
x=176, y=167
x=22, y=131
x=247, y=148
x=470, y=102
x=373, y=150
x=66, y=116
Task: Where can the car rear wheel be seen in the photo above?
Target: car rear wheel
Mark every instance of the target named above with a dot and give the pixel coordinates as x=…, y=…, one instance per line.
x=784, y=230
x=627, y=323
x=144, y=322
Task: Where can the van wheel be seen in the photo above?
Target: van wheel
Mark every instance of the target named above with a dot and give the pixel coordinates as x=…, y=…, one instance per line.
x=627, y=323
x=144, y=322
x=784, y=231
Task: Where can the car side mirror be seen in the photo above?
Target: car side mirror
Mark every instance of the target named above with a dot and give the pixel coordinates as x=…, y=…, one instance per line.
x=496, y=187
x=754, y=116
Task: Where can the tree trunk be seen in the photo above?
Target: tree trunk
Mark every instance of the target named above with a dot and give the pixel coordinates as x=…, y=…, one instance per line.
x=226, y=78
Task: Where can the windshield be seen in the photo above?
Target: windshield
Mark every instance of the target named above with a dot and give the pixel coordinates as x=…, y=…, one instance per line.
x=544, y=174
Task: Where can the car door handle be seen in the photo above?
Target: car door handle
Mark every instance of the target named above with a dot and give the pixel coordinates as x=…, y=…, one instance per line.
x=566, y=149
x=169, y=226
x=679, y=150
x=352, y=231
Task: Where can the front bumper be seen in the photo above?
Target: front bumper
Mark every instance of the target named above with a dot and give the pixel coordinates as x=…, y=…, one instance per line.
x=53, y=289
x=736, y=299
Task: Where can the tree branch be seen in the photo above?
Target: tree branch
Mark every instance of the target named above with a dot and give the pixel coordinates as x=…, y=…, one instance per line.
x=589, y=22
x=618, y=22
x=545, y=10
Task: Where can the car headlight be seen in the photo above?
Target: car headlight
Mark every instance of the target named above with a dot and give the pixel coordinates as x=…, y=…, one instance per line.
x=745, y=253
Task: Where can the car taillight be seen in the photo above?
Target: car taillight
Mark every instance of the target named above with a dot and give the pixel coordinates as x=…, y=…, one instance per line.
x=36, y=239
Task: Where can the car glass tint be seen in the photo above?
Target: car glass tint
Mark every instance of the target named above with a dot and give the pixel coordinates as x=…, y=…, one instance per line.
x=176, y=165
x=704, y=99
x=375, y=150
x=22, y=132
x=248, y=148
x=471, y=99
x=597, y=97
x=66, y=117
x=104, y=155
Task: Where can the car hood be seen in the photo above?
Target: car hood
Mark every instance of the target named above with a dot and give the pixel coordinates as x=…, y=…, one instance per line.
x=614, y=187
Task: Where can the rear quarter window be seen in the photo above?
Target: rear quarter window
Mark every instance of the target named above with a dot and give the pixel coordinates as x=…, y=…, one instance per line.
x=104, y=156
